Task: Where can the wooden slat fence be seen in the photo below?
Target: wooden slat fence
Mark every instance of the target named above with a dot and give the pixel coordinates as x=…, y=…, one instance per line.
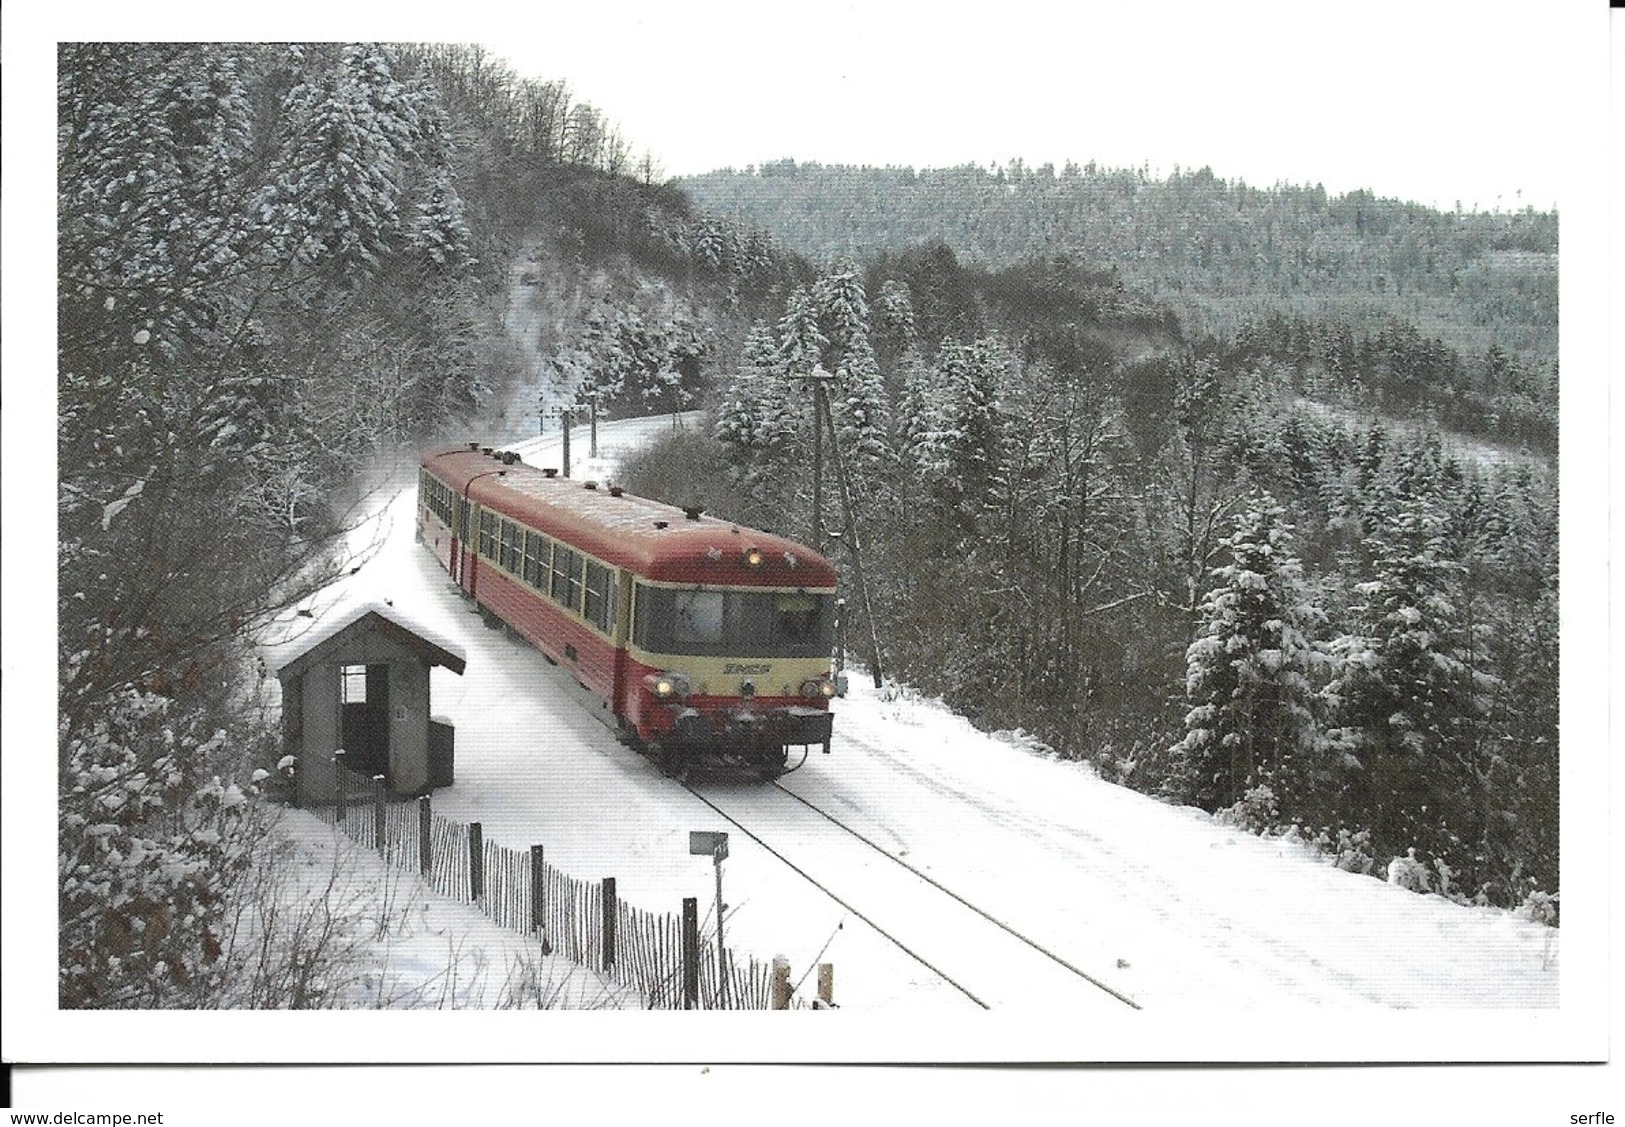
x=648, y=946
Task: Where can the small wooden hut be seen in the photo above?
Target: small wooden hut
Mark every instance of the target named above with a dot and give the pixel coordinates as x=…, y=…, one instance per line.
x=361, y=682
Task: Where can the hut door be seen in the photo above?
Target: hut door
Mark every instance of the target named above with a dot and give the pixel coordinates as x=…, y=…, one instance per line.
x=364, y=690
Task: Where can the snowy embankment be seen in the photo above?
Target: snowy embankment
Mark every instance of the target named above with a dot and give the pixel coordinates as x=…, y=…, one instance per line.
x=1159, y=903
x=392, y=942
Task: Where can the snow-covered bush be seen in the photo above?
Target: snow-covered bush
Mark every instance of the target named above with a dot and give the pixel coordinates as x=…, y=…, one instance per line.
x=1408, y=872
x=1257, y=811
x=151, y=840
x=1351, y=852
x=1541, y=907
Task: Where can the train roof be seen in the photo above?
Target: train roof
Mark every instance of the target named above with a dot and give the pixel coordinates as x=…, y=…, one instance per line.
x=658, y=541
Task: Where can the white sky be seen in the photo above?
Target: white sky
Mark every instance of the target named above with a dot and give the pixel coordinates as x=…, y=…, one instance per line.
x=1438, y=102
x=1482, y=101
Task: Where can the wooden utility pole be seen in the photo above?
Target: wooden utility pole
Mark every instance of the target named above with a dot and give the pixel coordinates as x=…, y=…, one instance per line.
x=818, y=377
x=691, y=953
x=818, y=463
x=852, y=542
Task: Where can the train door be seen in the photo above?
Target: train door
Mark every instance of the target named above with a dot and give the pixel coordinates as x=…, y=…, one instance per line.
x=459, y=536
x=622, y=633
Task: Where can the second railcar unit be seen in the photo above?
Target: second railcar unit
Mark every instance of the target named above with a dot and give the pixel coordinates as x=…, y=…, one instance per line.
x=707, y=642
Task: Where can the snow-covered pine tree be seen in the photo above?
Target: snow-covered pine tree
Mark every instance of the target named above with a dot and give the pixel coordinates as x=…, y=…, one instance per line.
x=739, y=416
x=894, y=314
x=966, y=455
x=1408, y=706
x=1251, y=676
x=801, y=341
x=858, y=400
x=440, y=230
x=842, y=306
x=862, y=416
x=916, y=410
x=349, y=130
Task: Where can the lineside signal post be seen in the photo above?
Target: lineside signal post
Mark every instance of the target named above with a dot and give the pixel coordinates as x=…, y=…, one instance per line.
x=714, y=844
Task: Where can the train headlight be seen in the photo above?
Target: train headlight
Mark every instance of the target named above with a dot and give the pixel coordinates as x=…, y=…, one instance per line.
x=821, y=688
x=667, y=686
x=753, y=557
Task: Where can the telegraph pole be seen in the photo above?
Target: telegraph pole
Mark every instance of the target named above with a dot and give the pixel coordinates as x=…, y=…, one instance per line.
x=852, y=543
x=818, y=377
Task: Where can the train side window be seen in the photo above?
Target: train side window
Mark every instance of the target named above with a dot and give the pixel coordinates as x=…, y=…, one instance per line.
x=577, y=568
x=511, y=549
x=644, y=632
x=567, y=577
x=536, y=560
x=598, y=605
x=488, y=535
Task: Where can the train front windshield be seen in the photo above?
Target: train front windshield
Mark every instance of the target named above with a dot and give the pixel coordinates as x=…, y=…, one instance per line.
x=715, y=623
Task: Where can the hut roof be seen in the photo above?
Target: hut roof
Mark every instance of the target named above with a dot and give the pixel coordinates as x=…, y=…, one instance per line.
x=293, y=656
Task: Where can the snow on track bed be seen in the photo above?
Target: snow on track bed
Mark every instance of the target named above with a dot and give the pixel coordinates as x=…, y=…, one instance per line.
x=1190, y=912
x=980, y=956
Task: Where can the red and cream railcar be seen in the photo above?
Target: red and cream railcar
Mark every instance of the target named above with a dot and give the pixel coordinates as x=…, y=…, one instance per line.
x=705, y=641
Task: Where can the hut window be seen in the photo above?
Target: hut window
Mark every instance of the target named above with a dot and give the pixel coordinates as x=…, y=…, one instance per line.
x=353, y=684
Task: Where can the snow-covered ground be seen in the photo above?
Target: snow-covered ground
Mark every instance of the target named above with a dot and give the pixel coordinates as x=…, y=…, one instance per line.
x=397, y=944
x=1157, y=903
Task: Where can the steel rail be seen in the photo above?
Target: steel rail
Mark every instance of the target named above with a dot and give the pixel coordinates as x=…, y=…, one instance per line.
x=946, y=891
x=810, y=879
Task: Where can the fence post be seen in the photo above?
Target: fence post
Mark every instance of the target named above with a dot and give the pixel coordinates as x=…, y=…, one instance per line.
x=425, y=838
x=826, y=984
x=476, y=862
x=691, y=953
x=781, y=982
x=609, y=922
x=338, y=777
x=538, y=892
x=378, y=814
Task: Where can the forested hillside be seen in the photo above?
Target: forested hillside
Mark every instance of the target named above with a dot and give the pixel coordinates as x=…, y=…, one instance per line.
x=280, y=266
x=1159, y=556
x=1248, y=497
x=1201, y=516
x=1455, y=312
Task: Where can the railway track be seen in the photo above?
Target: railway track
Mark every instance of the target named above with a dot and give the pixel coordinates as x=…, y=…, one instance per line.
x=986, y=959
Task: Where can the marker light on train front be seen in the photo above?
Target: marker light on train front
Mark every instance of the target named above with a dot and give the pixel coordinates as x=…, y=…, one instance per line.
x=819, y=687
x=753, y=557
x=667, y=686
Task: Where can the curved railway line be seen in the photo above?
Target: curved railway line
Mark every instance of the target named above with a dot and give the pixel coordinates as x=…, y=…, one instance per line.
x=932, y=924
